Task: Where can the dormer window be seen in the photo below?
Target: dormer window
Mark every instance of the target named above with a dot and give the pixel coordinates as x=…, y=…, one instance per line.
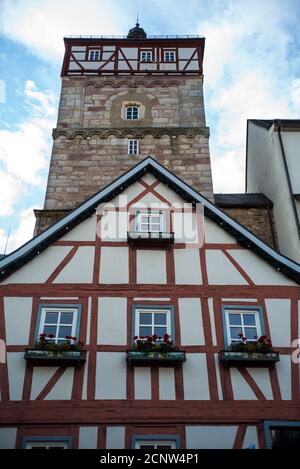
x=94, y=55
x=149, y=221
x=150, y=228
x=146, y=56
x=169, y=56
x=132, y=112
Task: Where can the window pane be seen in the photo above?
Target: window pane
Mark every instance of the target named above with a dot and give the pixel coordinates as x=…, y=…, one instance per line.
x=51, y=318
x=251, y=333
x=147, y=447
x=144, y=227
x=155, y=228
x=66, y=318
x=50, y=330
x=234, y=332
x=64, y=330
x=164, y=446
x=145, y=318
x=235, y=319
x=144, y=219
x=145, y=331
x=285, y=438
x=249, y=319
x=160, y=331
x=160, y=318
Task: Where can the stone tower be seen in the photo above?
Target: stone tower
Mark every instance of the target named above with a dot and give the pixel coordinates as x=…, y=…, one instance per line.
x=123, y=99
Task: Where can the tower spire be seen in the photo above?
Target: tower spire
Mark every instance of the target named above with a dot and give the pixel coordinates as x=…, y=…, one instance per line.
x=137, y=32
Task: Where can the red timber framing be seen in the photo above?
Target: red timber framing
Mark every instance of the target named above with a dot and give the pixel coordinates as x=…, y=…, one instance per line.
x=115, y=55
x=154, y=416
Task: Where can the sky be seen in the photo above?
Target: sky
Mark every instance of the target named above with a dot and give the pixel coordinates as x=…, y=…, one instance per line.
x=251, y=70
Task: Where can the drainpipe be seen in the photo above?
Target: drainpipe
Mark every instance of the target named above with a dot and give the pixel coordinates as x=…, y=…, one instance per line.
x=288, y=178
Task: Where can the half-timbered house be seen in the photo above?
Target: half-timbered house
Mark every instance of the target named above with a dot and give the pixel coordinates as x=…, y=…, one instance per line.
x=146, y=254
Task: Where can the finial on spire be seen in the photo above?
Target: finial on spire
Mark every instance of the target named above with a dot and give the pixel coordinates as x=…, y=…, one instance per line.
x=137, y=20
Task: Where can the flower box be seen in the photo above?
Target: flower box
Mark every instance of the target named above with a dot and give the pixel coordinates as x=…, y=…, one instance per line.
x=148, y=238
x=50, y=357
x=155, y=358
x=235, y=358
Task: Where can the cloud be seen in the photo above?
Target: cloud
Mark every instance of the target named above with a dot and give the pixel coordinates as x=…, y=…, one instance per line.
x=22, y=234
x=40, y=25
x=25, y=150
x=250, y=72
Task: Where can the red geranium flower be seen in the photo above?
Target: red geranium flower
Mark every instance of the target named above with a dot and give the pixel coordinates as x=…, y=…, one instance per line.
x=262, y=338
x=136, y=337
x=51, y=336
x=43, y=334
x=68, y=337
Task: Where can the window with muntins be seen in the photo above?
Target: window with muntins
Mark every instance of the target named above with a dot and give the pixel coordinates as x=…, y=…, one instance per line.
x=133, y=147
x=46, y=445
x=94, y=55
x=246, y=323
x=169, y=56
x=132, y=112
x=149, y=322
x=59, y=323
x=47, y=442
x=146, y=56
x=154, y=444
x=149, y=221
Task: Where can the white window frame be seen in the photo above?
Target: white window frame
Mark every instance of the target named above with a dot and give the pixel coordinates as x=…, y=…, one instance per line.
x=132, y=107
x=156, y=443
x=50, y=309
x=146, y=56
x=149, y=214
x=133, y=147
x=47, y=444
x=92, y=54
x=242, y=326
x=169, y=56
x=153, y=311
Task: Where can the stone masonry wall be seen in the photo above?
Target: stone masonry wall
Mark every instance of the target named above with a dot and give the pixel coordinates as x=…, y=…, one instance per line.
x=257, y=220
x=91, y=138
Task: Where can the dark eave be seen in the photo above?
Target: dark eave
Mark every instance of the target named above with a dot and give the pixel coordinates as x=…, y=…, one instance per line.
x=242, y=201
x=243, y=236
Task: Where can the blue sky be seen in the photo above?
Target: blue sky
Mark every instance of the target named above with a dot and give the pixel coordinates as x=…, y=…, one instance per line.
x=251, y=70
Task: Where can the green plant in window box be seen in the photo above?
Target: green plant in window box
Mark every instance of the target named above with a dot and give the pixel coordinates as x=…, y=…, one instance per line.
x=260, y=345
x=46, y=343
x=154, y=344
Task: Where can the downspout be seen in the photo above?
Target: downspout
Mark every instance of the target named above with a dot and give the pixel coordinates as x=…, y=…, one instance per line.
x=272, y=227
x=288, y=178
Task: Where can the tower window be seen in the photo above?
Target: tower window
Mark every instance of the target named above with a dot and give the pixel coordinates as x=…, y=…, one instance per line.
x=169, y=56
x=133, y=147
x=94, y=55
x=146, y=56
x=132, y=112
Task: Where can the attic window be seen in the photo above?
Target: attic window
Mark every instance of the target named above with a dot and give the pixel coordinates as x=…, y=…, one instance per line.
x=146, y=56
x=94, y=55
x=169, y=56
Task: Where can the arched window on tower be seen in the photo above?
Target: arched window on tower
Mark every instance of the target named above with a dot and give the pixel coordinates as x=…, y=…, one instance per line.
x=132, y=112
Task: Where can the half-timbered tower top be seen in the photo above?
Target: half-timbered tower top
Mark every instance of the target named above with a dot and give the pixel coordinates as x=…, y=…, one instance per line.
x=134, y=54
